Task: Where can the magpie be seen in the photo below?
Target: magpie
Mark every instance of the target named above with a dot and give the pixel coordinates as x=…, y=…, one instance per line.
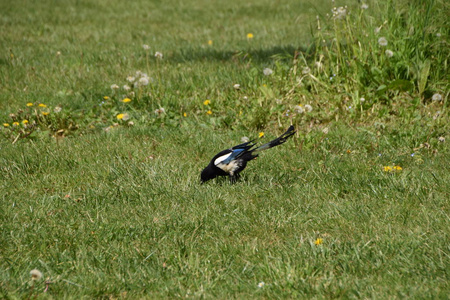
x=234, y=160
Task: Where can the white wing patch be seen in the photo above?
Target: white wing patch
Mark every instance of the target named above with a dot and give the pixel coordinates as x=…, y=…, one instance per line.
x=221, y=158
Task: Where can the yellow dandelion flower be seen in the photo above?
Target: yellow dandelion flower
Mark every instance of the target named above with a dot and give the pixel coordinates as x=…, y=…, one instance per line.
x=261, y=134
x=126, y=100
x=120, y=116
x=249, y=35
x=209, y=112
x=387, y=169
x=206, y=102
x=25, y=122
x=264, y=85
x=397, y=168
x=15, y=123
x=29, y=104
x=45, y=113
x=5, y=125
x=105, y=98
x=42, y=105
x=210, y=42
x=319, y=241
x=184, y=114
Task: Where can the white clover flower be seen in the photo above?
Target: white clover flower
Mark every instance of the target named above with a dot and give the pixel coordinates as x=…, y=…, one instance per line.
x=36, y=275
x=364, y=6
x=261, y=284
x=158, y=55
x=57, y=109
x=114, y=87
x=126, y=87
x=437, y=97
x=143, y=81
x=267, y=71
x=382, y=41
x=131, y=79
x=237, y=86
x=306, y=70
x=146, y=47
x=389, y=53
x=299, y=109
x=245, y=139
x=308, y=108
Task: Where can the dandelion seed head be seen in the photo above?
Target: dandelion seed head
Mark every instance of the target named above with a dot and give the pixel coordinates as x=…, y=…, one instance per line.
x=158, y=55
x=57, y=109
x=261, y=284
x=308, y=108
x=114, y=87
x=267, y=71
x=437, y=97
x=299, y=109
x=245, y=139
x=389, y=53
x=237, y=86
x=126, y=87
x=306, y=70
x=382, y=41
x=362, y=99
x=146, y=47
x=143, y=81
x=131, y=78
x=160, y=111
x=364, y=6
x=36, y=275
x=441, y=139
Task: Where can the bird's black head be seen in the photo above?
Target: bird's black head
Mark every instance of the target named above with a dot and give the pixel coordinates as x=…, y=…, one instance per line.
x=207, y=174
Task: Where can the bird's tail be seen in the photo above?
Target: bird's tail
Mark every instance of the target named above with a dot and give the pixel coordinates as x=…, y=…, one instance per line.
x=278, y=141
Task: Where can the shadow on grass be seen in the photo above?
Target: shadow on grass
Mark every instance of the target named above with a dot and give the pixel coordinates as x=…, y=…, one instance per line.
x=257, y=55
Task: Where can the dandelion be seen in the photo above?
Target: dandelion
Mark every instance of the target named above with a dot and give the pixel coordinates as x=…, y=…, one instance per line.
x=24, y=122
x=160, y=111
x=146, y=47
x=397, y=168
x=210, y=42
x=36, y=275
x=143, y=81
x=268, y=71
x=389, y=53
x=261, y=284
x=249, y=35
x=319, y=241
x=126, y=117
x=245, y=139
x=237, y=86
x=15, y=123
x=339, y=13
x=245, y=98
x=126, y=100
x=306, y=70
x=325, y=130
x=5, y=125
x=45, y=113
x=29, y=104
x=382, y=41
x=42, y=105
x=114, y=87
x=206, y=102
x=58, y=53
x=209, y=112
x=185, y=115
x=158, y=55
x=441, y=139
x=362, y=99
x=437, y=97
x=126, y=87
x=105, y=98
x=57, y=109
x=261, y=134
x=299, y=109
x=131, y=78
x=387, y=169
x=308, y=108
x=120, y=116
x=364, y=6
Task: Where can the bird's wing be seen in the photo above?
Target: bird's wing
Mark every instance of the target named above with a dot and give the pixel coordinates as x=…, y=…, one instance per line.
x=228, y=157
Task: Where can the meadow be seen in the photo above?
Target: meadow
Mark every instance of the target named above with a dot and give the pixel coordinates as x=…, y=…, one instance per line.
x=109, y=110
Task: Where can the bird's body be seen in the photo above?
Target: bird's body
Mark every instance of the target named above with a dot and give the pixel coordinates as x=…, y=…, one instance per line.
x=232, y=161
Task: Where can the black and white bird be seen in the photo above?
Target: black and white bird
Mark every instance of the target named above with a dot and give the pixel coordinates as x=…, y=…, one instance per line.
x=231, y=162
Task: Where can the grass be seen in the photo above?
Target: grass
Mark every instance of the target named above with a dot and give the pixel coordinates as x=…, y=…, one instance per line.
x=106, y=208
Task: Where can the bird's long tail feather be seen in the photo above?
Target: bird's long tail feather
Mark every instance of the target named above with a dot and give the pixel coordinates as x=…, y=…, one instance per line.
x=278, y=141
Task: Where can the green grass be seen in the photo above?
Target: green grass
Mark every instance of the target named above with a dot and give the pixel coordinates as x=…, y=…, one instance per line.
x=107, y=209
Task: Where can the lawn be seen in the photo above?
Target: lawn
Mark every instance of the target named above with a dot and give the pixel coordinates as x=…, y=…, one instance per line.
x=100, y=184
